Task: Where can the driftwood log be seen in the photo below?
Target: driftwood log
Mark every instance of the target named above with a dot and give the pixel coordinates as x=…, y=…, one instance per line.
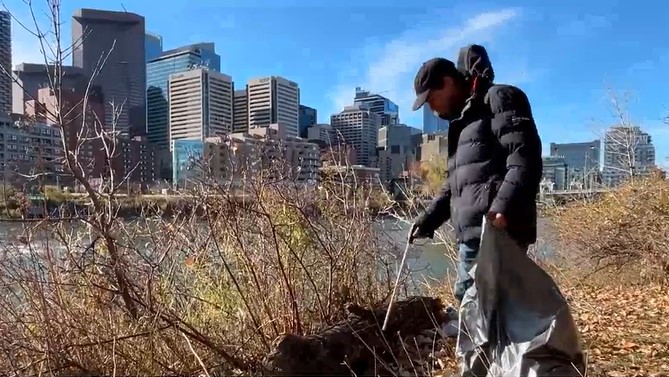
x=358, y=346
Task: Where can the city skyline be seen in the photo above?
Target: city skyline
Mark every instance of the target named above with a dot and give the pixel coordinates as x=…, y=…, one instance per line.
x=551, y=109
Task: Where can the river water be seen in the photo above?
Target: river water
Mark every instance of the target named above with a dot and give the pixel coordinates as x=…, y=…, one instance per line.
x=433, y=260
x=427, y=261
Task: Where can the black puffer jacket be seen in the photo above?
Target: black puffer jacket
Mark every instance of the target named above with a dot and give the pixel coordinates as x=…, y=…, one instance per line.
x=494, y=160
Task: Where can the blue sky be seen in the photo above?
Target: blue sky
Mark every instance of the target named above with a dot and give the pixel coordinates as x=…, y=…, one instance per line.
x=566, y=55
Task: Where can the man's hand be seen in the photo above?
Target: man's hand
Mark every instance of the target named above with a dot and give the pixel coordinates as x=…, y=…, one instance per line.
x=417, y=231
x=497, y=219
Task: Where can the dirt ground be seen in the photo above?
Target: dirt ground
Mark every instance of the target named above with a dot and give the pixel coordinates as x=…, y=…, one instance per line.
x=624, y=330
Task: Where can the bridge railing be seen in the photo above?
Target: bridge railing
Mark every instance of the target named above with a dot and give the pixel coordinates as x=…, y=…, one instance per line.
x=577, y=192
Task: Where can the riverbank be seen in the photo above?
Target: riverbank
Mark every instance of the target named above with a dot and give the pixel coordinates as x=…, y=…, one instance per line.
x=66, y=205
x=212, y=296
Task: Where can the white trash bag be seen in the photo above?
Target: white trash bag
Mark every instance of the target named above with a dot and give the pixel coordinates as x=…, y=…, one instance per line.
x=518, y=322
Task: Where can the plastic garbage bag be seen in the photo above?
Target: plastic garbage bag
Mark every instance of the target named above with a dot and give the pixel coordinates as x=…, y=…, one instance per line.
x=514, y=322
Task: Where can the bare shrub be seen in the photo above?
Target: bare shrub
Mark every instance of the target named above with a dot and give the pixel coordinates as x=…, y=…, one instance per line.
x=204, y=290
x=627, y=230
x=220, y=283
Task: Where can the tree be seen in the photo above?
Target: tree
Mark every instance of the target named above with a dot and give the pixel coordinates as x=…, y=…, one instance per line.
x=71, y=110
x=433, y=173
x=205, y=290
x=624, y=155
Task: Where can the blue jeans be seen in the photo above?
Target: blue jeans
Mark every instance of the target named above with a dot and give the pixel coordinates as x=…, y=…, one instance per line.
x=467, y=253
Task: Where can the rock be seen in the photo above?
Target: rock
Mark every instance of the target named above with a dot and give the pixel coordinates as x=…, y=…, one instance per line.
x=358, y=346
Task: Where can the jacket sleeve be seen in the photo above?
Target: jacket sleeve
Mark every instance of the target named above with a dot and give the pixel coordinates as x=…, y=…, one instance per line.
x=514, y=126
x=439, y=210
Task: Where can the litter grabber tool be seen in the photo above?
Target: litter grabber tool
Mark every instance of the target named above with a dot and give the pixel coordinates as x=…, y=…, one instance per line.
x=397, y=283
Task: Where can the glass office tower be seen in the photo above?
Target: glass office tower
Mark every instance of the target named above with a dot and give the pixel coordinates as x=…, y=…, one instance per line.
x=158, y=73
x=431, y=123
x=153, y=46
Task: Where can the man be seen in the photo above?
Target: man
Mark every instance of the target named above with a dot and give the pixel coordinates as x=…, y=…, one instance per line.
x=494, y=156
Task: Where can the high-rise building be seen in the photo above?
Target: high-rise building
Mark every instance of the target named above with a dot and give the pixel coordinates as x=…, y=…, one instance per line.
x=359, y=127
x=158, y=72
x=580, y=156
x=5, y=63
x=378, y=104
x=628, y=152
x=201, y=104
x=117, y=39
x=396, y=152
x=308, y=117
x=30, y=77
x=79, y=134
x=240, y=119
x=153, y=46
x=582, y=159
x=432, y=123
x=274, y=100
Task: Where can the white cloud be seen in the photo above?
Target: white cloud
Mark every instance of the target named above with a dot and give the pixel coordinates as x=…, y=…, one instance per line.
x=391, y=68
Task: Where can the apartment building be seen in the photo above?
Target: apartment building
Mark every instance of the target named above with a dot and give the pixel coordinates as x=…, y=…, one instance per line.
x=200, y=103
x=242, y=156
x=29, y=78
x=434, y=146
x=28, y=151
x=333, y=149
x=628, y=152
x=133, y=158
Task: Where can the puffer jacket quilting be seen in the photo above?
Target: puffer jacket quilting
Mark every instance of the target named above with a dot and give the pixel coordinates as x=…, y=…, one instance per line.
x=494, y=164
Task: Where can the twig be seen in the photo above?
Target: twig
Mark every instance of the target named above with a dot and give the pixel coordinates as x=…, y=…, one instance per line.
x=397, y=283
x=190, y=346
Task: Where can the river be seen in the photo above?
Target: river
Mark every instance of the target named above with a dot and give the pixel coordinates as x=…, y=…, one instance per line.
x=427, y=260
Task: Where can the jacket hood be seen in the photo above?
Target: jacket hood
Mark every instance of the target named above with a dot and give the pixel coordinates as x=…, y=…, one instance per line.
x=473, y=61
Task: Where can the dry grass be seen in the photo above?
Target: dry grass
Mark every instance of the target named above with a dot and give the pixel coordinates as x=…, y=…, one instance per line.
x=610, y=263
x=214, y=290
x=626, y=231
x=613, y=266
x=211, y=292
